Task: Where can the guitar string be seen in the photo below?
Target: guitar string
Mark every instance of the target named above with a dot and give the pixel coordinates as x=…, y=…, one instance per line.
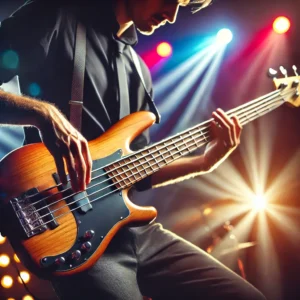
x=143, y=150
x=119, y=167
x=117, y=189
x=247, y=120
x=266, y=97
x=132, y=162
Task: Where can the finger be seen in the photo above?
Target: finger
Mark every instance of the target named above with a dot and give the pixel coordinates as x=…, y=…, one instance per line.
x=88, y=160
x=79, y=163
x=238, y=127
x=60, y=166
x=70, y=162
x=228, y=135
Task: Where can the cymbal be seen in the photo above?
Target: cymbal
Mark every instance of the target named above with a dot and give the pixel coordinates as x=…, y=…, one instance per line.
x=240, y=246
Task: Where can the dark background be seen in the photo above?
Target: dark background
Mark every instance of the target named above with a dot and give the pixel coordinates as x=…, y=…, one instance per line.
x=273, y=265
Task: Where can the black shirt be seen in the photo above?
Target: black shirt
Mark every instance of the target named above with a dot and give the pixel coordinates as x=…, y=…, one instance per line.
x=37, y=43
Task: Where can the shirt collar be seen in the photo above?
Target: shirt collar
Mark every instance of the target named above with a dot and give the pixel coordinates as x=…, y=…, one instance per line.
x=129, y=37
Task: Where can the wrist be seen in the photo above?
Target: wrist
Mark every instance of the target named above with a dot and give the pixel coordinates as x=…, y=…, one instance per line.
x=40, y=113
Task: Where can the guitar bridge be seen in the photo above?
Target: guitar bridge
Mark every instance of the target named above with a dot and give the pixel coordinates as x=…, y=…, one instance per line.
x=30, y=215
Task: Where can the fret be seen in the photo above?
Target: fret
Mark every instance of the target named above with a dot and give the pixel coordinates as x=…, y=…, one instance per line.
x=202, y=134
x=134, y=171
x=193, y=138
x=154, y=158
x=162, y=154
x=147, y=160
x=186, y=144
x=124, y=174
x=176, y=150
x=141, y=168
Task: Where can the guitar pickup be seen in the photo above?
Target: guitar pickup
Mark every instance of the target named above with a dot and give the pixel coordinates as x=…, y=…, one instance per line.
x=79, y=202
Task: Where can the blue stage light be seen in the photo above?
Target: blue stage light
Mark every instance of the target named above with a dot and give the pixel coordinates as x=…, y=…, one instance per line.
x=224, y=37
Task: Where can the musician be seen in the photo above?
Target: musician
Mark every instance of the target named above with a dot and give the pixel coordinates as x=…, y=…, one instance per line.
x=39, y=39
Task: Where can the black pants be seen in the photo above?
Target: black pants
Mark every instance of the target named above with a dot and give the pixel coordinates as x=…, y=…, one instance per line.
x=154, y=262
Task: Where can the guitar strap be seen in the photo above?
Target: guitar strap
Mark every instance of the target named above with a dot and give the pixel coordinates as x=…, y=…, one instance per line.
x=150, y=99
x=76, y=102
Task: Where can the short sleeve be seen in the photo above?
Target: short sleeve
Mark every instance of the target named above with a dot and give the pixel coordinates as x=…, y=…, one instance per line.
x=25, y=38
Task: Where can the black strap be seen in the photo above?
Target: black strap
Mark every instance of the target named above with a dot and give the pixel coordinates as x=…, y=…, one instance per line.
x=150, y=99
x=76, y=102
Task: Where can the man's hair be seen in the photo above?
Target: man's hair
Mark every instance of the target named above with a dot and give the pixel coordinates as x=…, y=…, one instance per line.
x=197, y=5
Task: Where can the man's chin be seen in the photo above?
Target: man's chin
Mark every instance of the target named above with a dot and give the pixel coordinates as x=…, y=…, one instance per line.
x=147, y=31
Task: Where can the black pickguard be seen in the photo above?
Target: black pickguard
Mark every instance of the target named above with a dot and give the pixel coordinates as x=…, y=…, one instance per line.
x=102, y=214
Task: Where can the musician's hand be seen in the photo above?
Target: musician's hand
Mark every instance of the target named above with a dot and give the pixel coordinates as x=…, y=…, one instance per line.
x=225, y=133
x=67, y=146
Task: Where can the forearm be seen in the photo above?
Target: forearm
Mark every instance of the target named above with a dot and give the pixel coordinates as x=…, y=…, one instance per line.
x=179, y=170
x=20, y=110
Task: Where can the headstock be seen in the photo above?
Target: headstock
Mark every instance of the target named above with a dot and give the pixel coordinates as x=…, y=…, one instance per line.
x=289, y=86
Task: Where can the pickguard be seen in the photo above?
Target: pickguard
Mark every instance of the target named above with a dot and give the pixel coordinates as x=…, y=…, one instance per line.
x=106, y=207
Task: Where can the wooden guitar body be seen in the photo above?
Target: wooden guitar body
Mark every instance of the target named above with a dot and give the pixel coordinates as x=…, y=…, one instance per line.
x=77, y=227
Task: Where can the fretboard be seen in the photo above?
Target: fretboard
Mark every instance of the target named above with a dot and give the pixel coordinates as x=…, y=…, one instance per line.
x=141, y=164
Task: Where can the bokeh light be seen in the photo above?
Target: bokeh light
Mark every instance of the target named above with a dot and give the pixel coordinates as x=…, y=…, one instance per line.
x=7, y=281
x=34, y=89
x=281, y=25
x=4, y=261
x=16, y=258
x=164, y=49
x=27, y=297
x=10, y=60
x=2, y=239
x=25, y=276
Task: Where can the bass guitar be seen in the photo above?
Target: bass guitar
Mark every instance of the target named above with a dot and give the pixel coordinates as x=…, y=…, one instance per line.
x=57, y=232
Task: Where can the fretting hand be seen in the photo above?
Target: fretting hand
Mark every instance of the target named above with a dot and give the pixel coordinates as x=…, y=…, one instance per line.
x=225, y=132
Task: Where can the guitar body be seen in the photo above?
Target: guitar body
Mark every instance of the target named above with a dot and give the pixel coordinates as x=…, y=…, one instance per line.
x=77, y=228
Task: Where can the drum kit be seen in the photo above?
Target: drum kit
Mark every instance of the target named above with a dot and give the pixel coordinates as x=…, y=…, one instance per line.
x=221, y=240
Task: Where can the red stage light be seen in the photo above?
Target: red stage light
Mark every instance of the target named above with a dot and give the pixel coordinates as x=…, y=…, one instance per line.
x=164, y=49
x=281, y=25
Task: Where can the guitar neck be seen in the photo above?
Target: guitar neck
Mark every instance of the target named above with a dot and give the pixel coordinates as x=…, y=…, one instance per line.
x=146, y=162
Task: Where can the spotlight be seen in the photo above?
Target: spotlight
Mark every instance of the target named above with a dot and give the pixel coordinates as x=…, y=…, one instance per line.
x=164, y=49
x=224, y=37
x=259, y=202
x=27, y=297
x=281, y=25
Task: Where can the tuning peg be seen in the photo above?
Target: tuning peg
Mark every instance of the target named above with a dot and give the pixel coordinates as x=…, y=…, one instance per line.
x=295, y=70
x=272, y=73
x=283, y=71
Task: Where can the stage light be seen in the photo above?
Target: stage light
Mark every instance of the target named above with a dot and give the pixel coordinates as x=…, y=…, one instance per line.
x=259, y=202
x=4, y=261
x=7, y=282
x=16, y=258
x=164, y=49
x=207, y=211
x=27, y=297
x=281, y=25
x=224, y=37
x=2, y=239
x=25, y=276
